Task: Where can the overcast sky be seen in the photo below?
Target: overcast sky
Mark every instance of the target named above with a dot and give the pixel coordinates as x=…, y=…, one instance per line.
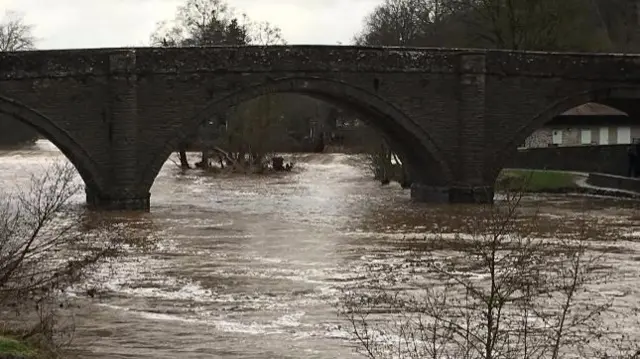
x=114, y=23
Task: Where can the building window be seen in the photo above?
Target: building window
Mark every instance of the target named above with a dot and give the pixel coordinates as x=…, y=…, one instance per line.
x=624, y=135
x=604, y=135
x=585, y=137
x=556, y=137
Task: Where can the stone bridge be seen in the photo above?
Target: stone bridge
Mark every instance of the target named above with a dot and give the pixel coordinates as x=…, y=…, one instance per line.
x=455, y=116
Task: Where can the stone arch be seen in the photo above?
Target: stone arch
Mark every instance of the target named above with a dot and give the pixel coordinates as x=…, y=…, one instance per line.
x=73, y=151
x=402, y=131
x=601, y=95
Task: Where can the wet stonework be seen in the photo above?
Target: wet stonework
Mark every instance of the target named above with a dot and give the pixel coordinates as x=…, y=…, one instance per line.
x=454, y=116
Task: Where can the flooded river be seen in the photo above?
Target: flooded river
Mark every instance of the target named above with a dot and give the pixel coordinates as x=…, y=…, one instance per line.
x=251, y=267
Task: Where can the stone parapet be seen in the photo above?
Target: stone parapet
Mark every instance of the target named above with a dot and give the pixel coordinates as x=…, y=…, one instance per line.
x=305, y=58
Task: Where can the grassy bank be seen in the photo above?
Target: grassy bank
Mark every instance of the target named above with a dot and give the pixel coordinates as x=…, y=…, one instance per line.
x=14, y=348
x=536, y=181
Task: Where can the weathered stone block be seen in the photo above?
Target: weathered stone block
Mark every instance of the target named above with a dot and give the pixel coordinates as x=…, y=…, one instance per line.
x=119, y=203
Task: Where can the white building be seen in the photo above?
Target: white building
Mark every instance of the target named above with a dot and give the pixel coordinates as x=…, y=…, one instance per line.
x=589, y=124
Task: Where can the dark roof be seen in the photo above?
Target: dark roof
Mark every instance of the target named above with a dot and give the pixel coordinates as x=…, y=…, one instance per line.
x=592, y=108
x=593, y=120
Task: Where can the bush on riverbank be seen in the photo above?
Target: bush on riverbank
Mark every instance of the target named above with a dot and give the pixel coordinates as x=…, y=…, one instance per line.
x=501, y=291
x=45, y=246
x=14, y=348
x=535, y=181
x=13, y=345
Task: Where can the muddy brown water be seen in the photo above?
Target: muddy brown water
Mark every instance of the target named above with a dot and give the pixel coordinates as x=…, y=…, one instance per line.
x=240, y=267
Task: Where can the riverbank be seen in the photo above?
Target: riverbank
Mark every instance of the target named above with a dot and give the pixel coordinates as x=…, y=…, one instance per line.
x=11, y=348
x=537, y=181
x=26, y=344
x=551, y=181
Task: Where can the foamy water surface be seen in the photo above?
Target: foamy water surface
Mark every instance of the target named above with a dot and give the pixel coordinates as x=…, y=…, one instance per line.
x=237, y=267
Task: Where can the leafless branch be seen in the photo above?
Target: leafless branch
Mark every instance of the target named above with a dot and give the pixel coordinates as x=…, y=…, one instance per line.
x=15, y=34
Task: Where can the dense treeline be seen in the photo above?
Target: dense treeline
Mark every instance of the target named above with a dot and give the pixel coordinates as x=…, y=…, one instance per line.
x=572, y=25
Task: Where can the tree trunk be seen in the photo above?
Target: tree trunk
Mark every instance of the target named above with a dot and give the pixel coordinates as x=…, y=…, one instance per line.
x=386, y=164
x=205, y=158
x=184, y=162
x=242, y=159
x=406, y=178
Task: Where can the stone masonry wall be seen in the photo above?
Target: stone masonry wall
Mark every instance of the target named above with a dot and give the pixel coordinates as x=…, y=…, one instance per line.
x=455, y=113
x=610, y=159
x=539, y=138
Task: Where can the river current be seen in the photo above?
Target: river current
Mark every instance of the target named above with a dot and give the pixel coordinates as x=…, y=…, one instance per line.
x=238, y=267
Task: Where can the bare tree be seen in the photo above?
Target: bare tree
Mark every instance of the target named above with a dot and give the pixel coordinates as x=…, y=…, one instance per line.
x=213, y=22
x=265, y=34
x=530, y=24
x=397, y=23
x=201, y=23
x=254, y=131
x=505, y=24
x=410, y=23
x=503, y=292
x=46, y=247
x=15, y=34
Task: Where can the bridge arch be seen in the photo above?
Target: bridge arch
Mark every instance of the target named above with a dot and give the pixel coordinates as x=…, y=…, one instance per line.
x=600, y=95
x=73, y=151
x=403, y=133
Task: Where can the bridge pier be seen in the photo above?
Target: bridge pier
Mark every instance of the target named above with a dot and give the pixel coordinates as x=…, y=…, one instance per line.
x=97, y=201
x=473, y=195
x=468, y=158
x=424, y=193
x=121, y=116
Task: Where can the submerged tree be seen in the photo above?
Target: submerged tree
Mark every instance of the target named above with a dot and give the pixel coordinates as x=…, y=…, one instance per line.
x=213, y=22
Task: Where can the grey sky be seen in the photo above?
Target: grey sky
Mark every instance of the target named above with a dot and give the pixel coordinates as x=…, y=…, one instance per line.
x=114, y=23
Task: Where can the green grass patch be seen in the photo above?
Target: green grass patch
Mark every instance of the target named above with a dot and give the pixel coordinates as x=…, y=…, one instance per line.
x=11, y=346
x=535, y=181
